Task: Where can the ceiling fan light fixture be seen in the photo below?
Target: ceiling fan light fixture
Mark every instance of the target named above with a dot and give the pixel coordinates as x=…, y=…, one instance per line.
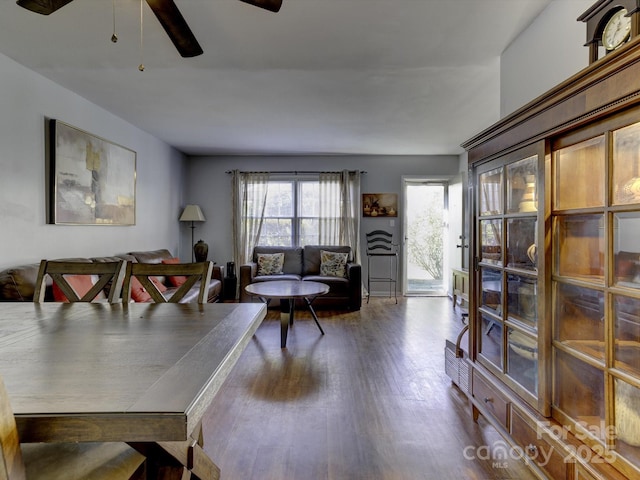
x=165, y=11
x=114, y=37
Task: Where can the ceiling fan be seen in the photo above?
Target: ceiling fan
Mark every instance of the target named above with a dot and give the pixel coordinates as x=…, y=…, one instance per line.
x=167, y=13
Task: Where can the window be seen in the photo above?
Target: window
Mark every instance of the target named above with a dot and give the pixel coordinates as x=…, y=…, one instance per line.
x=295, y=209
x=292, y=213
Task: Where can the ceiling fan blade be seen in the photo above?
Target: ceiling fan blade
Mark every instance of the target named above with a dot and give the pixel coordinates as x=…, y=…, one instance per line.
x=176, y=27
x=44, y=7
x=271, y=5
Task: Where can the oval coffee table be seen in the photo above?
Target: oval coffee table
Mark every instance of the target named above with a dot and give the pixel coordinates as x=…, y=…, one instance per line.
x=289, y=290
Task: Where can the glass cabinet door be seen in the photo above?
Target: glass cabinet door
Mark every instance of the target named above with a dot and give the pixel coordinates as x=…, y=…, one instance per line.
x=596, y=289
x=626, y=249
x=522, y=359
x=626, y=165
x=522, y=300
x=490, y=192
x=522, y=251
x=579, y=170
x=491, y=241
x=522, y=191
x=507, y=228
x=579, y=242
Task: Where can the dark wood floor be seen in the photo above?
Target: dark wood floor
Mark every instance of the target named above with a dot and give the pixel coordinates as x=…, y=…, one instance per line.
x=369, y=400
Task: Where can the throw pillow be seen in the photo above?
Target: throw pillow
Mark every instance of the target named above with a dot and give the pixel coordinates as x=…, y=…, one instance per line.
x=270, y=263
x=140, y=294
x=333, y=264
x=175, y=280
x=159, y=285
x=80, y=283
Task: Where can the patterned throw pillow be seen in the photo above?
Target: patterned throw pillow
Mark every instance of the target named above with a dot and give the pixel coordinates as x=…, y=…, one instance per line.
x=333, y=264
x=270, y=263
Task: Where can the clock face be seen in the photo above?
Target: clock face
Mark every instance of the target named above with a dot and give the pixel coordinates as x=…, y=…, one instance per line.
x=617, y=30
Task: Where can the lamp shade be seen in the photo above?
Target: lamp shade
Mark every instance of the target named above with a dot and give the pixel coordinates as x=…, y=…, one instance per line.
x=192, y=213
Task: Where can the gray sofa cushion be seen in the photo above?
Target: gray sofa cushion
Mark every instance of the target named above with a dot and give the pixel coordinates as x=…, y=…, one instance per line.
x=284, y=276
x=292, y=258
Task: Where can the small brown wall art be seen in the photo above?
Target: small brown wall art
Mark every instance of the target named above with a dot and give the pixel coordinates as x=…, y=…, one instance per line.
x=379, y=204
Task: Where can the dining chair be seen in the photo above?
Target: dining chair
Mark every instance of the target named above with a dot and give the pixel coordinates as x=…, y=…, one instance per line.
x=61, y=461
x=380, y=245
x=11, y=464
x=189, y=273
x=81, y=281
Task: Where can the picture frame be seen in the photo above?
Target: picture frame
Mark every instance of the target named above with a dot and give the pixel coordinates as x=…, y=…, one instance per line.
x=92, y=181
x=380, y=205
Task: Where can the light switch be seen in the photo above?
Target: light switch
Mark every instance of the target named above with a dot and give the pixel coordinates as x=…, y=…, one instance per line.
x=392, y=223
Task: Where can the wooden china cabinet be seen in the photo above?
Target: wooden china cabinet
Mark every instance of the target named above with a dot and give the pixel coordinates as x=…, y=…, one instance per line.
x=554, y=304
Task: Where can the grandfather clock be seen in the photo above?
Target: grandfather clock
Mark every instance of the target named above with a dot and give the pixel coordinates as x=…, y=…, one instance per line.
x=610, y=24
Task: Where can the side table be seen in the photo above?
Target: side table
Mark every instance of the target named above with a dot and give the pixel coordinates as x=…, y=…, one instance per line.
x=229, y=285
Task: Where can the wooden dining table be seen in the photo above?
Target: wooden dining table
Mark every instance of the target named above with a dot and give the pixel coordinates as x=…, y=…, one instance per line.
x=144, y=374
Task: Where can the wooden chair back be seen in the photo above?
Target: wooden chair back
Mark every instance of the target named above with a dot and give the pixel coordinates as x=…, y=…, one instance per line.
x=11, y=464
x=193, y=272
x=109, y=275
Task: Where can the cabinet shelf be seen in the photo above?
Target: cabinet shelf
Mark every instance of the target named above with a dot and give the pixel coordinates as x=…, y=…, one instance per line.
x=584, y=351
x=521, y=324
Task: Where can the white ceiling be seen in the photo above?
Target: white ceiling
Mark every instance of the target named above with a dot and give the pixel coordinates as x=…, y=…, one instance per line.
x=393, y=77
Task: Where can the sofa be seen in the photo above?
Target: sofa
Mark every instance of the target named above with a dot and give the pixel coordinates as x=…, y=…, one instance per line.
x=305, y=264
x=17, y=284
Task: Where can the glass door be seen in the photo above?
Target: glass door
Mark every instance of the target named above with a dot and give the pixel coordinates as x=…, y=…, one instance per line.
x=425, y=258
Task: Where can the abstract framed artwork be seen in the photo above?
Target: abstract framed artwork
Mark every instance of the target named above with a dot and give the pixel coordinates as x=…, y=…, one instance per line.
x=92, y=180
x=379, y=204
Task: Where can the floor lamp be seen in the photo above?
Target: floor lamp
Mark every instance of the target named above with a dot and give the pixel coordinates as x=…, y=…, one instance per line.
x=192, y=213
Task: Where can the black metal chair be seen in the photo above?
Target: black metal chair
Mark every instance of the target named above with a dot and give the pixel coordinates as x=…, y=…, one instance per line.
x=380, y=246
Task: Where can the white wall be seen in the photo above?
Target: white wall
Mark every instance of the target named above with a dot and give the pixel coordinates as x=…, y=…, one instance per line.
x=548, y=52
x=26, y=99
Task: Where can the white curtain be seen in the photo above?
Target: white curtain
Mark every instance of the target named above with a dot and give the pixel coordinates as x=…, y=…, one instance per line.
x=340, y=210
x=330, y=209
x=249, y=200
x=350, y=185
